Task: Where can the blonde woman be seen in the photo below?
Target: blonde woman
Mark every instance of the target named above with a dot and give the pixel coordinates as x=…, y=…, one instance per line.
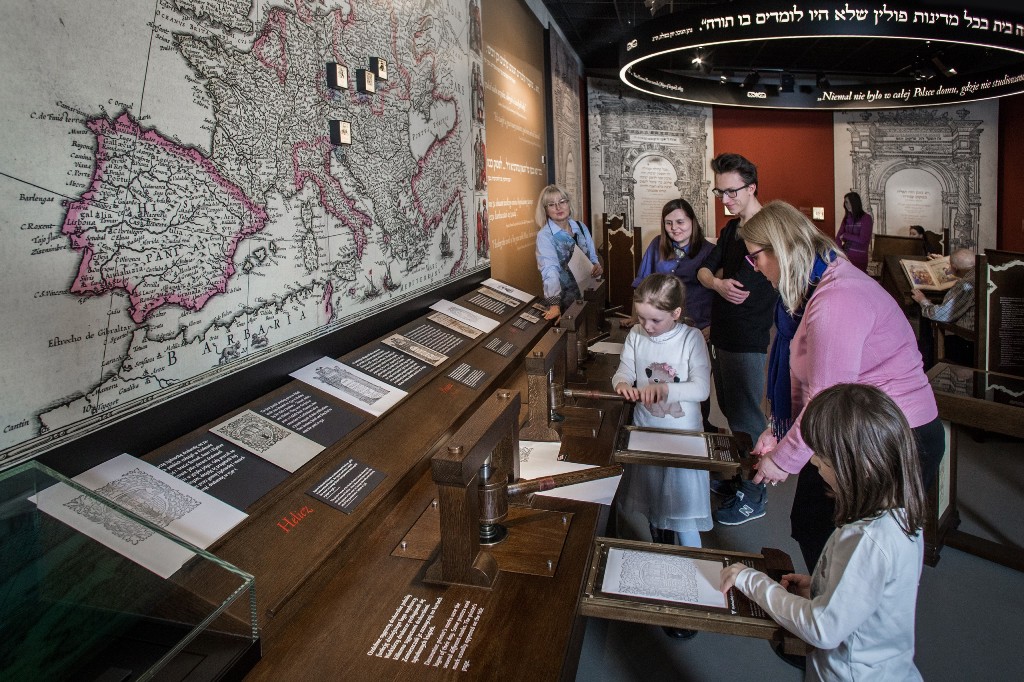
x=834, y=324
x=559, y=235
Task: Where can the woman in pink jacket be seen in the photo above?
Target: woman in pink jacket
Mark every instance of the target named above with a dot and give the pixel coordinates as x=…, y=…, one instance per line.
x=834, y=324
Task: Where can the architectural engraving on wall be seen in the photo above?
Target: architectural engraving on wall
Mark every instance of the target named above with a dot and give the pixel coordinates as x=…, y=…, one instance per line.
x=932, y=167
x=644, y=152
x=565, y=105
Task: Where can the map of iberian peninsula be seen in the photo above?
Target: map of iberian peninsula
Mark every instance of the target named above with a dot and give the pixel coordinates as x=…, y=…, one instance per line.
x=158, y=221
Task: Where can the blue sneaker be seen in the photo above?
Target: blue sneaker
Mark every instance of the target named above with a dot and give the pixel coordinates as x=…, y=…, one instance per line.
x=723, y=487
x=747, y=504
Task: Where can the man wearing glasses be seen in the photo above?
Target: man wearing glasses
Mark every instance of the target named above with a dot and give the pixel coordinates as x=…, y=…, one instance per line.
x=741, y=322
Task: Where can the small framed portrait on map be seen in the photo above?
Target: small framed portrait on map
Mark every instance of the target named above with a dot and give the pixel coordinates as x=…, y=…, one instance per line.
x=380, y=67
x=341, y=132
x=365, y=81
x=337, y=76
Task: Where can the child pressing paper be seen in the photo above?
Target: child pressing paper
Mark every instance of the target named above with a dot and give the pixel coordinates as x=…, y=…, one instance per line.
x=857, y=611
x=665, y=369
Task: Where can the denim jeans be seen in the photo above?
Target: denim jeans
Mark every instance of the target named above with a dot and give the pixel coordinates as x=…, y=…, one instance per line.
x=740, y=386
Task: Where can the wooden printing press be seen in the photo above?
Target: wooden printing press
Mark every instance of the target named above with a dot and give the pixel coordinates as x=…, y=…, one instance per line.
x=468, y=573
x=485, y=525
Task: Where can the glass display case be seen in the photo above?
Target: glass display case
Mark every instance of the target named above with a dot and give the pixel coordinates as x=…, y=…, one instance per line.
x=72, y=608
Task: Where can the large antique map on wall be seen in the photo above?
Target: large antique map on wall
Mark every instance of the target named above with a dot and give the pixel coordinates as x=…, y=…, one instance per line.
x=173, y=209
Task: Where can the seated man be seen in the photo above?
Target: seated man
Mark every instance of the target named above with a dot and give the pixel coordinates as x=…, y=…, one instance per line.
x=957, y=308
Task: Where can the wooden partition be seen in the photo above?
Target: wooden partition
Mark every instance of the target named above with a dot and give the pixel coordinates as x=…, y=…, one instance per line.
x=1001, y=314
x=622, y=250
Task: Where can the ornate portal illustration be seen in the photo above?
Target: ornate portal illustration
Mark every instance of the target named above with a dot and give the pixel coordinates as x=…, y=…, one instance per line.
x=254, y=432
x=349, y=383
x=141, y=493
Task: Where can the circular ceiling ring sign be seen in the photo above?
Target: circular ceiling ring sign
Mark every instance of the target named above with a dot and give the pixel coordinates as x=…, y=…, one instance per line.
x=861, y=55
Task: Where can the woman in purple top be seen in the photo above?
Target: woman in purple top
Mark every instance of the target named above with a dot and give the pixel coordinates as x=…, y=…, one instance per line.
x=680, y=250
x=834, y=324
x=854, y=233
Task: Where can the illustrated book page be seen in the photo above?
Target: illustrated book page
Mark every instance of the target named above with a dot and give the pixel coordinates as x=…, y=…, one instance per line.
x=349, y=384
x=180, y=509
x=269, y=440
x=930, y=275
x=477, y=321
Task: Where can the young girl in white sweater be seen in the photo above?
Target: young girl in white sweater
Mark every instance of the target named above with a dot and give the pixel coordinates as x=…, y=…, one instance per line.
x=665, y=369
x=857, y=611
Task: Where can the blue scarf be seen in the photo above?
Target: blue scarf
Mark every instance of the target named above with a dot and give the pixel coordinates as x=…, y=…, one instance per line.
x=780, y=395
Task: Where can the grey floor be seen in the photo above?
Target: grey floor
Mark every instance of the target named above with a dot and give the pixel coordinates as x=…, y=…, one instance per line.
x=968, y=609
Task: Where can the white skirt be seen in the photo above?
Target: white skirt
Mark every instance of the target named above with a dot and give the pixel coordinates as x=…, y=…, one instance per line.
x=671, y=498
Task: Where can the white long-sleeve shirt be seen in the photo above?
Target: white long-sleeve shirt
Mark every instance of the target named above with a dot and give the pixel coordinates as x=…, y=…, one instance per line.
x=860, y=617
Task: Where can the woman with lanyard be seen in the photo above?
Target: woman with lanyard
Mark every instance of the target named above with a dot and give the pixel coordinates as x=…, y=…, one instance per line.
x=557, y=239
x=834, y=325
x=681, y=250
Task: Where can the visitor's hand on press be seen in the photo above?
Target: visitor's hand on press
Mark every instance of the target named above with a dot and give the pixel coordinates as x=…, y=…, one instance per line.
x=653, y=393
x=597, y=271
x=627, y=391
x=728, y=576
x=798, y=584
x=768, y=471
x=553, y=313
x=731, y=290
x=918, y=296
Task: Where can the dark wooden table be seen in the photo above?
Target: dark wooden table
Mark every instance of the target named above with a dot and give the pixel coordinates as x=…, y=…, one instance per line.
x=993, y=402
x=367, y=612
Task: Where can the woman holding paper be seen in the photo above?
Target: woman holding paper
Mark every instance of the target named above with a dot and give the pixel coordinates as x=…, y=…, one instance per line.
x=834, y=325
x=558, y=238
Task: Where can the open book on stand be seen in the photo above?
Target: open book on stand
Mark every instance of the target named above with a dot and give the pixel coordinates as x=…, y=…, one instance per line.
x=930, y=275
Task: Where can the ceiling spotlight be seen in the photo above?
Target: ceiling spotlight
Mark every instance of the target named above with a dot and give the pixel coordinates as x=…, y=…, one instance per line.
x=701, y=64
x=655, y=5
x=787, y=82
x=822, y=82
x=751, y=80
x=948, y=71
x=724, y=78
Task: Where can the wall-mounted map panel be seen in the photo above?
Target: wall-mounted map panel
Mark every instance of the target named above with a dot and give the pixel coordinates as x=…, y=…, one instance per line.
x=174, y=210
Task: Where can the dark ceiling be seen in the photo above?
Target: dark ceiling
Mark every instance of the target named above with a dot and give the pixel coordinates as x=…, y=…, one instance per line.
x=596, y=28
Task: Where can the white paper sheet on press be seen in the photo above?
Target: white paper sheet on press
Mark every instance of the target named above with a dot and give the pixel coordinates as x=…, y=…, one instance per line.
x=607, y=347
x=654, y=575
x=669, y=443
x=542, y=460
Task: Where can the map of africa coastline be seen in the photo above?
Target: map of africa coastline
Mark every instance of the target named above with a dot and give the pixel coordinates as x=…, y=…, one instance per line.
x=174, y=210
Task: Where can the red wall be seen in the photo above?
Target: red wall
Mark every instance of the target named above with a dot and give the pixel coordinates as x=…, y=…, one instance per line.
x=793, y=152
x=794, y=155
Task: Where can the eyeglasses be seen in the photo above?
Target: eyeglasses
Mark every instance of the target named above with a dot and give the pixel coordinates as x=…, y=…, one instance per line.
x=731, y=193
x=557, y=204
x=752, y=257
